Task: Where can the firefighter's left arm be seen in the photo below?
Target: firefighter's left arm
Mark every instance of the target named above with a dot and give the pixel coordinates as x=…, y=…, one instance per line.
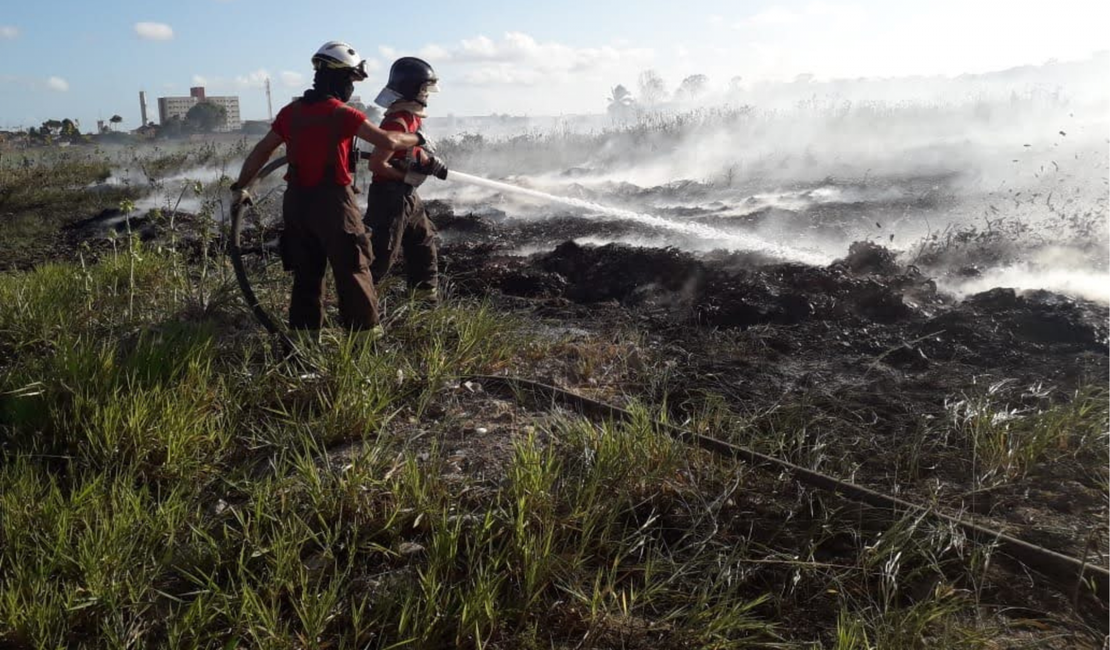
x=256, y=159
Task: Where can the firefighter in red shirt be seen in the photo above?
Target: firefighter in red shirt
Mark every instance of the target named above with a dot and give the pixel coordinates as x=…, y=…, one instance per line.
x=394, y=212
x=322, y=221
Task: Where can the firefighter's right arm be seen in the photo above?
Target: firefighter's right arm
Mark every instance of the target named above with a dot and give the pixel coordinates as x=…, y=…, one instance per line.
x=254, y=162
x=388, y=140
x=379, y=163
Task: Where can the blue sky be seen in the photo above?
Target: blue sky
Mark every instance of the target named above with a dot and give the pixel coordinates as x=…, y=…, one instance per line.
x=88, y=60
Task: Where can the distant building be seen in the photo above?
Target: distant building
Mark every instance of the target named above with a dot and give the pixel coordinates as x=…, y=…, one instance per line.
x=256, y=127
x=170, y=108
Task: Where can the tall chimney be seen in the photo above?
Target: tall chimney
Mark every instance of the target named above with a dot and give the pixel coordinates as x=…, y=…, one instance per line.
x=142, y=106
x=269, y=101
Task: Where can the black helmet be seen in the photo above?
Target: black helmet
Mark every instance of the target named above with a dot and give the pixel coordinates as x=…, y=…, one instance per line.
x=409, y=77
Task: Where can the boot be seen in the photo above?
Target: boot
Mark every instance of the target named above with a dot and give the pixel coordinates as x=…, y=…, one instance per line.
x=368, y=337
x=428, y=296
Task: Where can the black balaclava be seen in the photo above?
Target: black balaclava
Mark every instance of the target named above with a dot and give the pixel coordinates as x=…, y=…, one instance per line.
x=330, y=82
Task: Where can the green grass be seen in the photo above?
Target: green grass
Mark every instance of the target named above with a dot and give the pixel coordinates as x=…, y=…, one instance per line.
x=167, y=480
x=164, y=485
x=1007, y=442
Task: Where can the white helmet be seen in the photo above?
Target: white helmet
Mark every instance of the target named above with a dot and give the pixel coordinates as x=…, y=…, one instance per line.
x=338, y=55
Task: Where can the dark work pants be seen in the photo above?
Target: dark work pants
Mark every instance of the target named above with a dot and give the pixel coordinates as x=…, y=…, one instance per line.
x=322, y=225
x=398, y=223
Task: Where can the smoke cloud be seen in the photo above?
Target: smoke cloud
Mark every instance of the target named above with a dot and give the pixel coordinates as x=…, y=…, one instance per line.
x=982, y=180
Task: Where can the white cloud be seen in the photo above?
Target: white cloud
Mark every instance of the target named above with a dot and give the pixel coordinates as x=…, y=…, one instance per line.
x=478, y=49
x=291, y=79
x=58, y=84
x=8, y=32
x=518, y=58
x=520, y=48
x=154, y=31
x=501, y=74
x=433, y=53
x=771, y=16
x=387, y=52
x=256, y=79
x=817, y=11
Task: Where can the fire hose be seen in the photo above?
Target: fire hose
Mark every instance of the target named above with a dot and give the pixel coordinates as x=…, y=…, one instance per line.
x=1065, y=570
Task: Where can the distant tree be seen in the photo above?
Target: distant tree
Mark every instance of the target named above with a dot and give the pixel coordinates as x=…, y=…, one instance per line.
x=69, y=129
x=50, y=126
x=172, y=128
x=620, y=96
x=205, y=117
x=115, y=119
x=736, y=84
x=652, y=89
x=621, y=104
x=692, y=86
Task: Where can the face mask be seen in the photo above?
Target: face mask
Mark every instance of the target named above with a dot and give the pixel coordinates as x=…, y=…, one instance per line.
x=347, y=90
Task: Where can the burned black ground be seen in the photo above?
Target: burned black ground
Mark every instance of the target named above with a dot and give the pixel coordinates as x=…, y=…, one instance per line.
x=865, y=355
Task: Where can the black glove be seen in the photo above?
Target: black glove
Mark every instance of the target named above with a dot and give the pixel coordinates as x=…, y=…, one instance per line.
x=240, y=196
x=432, y=166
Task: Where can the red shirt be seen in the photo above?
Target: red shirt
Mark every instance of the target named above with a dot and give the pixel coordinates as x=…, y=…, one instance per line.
x=402, y=122
x=307, y=132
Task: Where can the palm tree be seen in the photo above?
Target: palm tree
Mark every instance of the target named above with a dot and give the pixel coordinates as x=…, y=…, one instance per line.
x=620, y=103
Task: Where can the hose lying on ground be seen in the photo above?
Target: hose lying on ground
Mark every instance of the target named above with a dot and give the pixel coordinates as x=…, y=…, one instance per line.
x=1066, y=571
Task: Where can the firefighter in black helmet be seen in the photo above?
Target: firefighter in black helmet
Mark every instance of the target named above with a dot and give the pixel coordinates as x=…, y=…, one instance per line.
x=394, y=213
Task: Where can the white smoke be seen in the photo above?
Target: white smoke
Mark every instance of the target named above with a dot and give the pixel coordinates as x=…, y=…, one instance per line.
x=999, y=168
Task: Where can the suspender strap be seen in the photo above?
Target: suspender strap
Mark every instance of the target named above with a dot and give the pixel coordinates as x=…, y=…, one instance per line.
x=299, y=123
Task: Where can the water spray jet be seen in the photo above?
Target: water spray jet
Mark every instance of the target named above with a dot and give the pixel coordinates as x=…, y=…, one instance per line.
x=724, y=239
